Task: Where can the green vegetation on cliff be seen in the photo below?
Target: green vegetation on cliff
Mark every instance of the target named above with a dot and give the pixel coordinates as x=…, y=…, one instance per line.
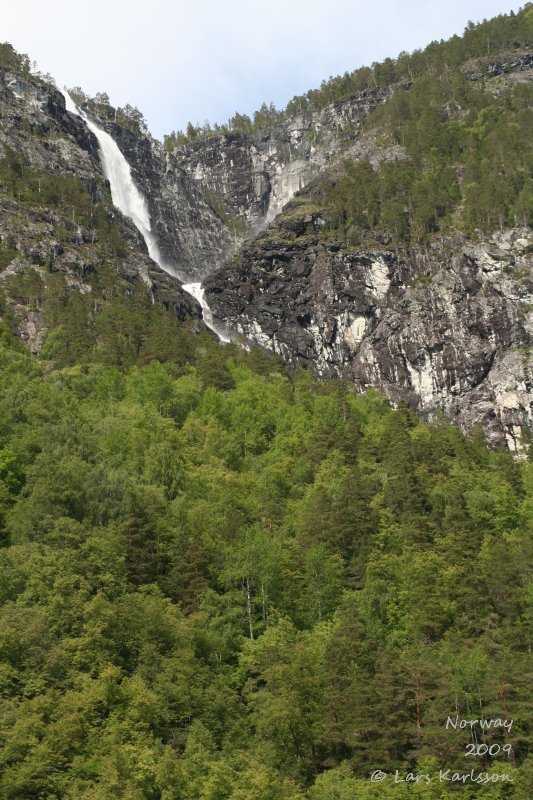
x=127, y=116
x=221, y=580
x=468, y=164
x=479, y=44
x=482, y=42
x=458, y=134
x=10, y=59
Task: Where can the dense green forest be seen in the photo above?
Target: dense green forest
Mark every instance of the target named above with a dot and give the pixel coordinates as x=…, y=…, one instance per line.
x=504, y=33
x=223, y=580
x=468, y=165
x=11, y=59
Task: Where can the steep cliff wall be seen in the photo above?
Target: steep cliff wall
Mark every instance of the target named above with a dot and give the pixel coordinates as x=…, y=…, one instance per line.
x=257, y=174
x=445, y=326
x=192, y=239
x=447, y=329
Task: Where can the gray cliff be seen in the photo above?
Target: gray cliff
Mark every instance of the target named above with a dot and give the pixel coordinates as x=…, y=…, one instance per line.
x=448, y=330
x=192, y=239
x=258, y=173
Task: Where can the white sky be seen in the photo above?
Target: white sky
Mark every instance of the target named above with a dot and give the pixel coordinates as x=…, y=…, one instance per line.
x=205, y=59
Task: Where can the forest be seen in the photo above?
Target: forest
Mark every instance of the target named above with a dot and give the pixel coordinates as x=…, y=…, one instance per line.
x=467, y=165
x=221, y=579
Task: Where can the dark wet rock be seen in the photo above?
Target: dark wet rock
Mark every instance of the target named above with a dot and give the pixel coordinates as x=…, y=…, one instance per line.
x=447, y=330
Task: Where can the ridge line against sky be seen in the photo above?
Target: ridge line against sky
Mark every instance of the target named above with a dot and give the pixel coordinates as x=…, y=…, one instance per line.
x=182, y=61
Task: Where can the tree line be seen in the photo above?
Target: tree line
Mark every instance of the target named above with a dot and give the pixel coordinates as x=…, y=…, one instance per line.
x=504, y=33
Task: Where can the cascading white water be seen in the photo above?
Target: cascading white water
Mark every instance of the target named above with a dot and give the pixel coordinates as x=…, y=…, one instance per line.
x=197, y=291
x=125, y=195
x=128, y=199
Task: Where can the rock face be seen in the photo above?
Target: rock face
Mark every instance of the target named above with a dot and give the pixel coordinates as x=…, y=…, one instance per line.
x=446, y=331
x=257, y=174
x=44, y=239
x=515, y=63
x=36, y=124
x=192, y=239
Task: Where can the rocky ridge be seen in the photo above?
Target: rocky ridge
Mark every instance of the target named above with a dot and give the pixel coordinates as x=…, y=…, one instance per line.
x=515, y=63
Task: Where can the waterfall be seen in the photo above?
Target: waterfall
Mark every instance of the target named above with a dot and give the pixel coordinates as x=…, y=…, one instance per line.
x=128, y=199
x=197, y=291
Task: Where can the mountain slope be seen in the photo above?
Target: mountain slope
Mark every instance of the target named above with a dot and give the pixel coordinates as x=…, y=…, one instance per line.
x=402, y=264
x=443, y=328
x=406, y=263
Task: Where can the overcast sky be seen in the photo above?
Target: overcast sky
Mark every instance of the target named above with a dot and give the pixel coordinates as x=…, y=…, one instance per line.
x=204, y=59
